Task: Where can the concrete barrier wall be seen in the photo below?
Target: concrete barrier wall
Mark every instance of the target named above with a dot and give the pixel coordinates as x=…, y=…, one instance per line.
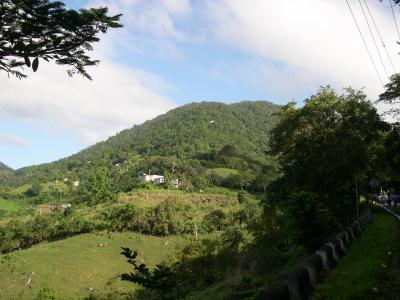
x=299, y=284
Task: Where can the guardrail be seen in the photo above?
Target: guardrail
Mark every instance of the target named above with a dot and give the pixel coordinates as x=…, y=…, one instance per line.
x=299, y=284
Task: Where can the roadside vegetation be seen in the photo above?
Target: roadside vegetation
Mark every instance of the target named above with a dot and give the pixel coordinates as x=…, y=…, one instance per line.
x=370, y=269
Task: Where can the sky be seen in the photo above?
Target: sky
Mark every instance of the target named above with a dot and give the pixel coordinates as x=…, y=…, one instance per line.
x=174, y=52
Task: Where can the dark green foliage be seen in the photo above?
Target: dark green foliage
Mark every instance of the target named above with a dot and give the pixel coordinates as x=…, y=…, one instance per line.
x=23, y=234
x=97, y=187
x=232, y=238
x=33, y=29
x=124, y=218
x=325, y=144
x=310, y=220
x=241, y=198
x=391, y=95
x=215, y=220
x=172, y=217
x=272, y=237
x=161, y=279
x=181, y=144
x=34, y=190
x=389, y=163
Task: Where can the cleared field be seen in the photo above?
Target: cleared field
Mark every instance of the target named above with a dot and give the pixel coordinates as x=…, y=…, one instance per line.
x=223, y=172
x=8, y=205
x=155, y=197
x=75, y=265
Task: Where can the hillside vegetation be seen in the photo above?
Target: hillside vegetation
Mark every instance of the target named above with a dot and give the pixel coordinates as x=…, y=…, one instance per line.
x=185, y=143
x=249, y=216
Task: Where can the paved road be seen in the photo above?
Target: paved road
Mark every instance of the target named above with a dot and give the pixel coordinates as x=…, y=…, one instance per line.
x=393, y=210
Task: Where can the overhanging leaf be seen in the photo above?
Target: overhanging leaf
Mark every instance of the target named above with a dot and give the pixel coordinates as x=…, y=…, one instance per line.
x=35, y=64
x=27, y=61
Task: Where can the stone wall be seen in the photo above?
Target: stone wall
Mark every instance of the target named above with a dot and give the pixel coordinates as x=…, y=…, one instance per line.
x=299, y=284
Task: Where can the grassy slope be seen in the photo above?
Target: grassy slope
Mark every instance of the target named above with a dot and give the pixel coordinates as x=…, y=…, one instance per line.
x=8, y=205
x=223, y=172
x=151, y=198
x=362, y=269
x=73, y=265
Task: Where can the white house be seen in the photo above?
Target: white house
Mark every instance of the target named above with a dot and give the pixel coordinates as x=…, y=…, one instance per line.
x=157, y=179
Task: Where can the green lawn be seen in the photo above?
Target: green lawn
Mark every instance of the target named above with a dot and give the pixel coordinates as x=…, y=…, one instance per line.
x=370, y=270
x=74, y=265
x=8, y=205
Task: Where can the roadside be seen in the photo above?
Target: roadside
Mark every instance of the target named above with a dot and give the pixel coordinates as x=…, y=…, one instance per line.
x=371, y=268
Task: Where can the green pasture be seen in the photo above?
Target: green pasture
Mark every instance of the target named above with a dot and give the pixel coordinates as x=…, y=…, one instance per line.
x=223, y=172
x=10, y=206
x=76, y=265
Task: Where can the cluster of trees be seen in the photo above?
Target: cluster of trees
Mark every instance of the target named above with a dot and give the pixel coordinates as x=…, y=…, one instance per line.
x=329, y=150
x=19, y=234
x=170, y=217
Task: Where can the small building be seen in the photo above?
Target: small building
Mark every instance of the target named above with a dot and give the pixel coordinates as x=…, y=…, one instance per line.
x=157, y=179
x=75, y=183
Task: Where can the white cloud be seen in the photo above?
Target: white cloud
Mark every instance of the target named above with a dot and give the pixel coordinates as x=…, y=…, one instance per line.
x=151, y=25
x=13, y=140
x=313, y=42
x=116, y=99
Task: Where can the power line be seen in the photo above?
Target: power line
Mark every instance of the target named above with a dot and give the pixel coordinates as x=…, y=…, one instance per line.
x=394, y=18
x=365, y=44
x=373, y=38
x=380, y=37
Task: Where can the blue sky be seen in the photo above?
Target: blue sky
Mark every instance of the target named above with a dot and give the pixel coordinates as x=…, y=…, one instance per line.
x=173, y=52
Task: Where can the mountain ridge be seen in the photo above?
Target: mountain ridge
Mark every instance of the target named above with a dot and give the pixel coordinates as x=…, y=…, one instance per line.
x=181, y=134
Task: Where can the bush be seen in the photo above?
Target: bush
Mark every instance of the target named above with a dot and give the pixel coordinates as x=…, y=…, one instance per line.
x=311, y=221
x=214, y=221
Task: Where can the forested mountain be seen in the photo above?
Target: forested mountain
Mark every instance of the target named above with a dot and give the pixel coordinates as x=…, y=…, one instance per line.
x=4, y=168
x=188, y=141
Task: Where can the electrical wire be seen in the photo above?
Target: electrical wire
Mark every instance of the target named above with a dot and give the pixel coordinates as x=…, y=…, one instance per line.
x=365, y=44
x=380, y=37
x=394, y=18
x=373, y=39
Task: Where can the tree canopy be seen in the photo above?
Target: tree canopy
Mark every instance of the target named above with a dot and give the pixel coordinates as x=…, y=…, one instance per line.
x=391, y=95
x=325, y=144
x=41, y=29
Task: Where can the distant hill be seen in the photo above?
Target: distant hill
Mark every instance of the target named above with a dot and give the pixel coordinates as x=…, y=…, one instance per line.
x=186, y=140
x=4, y=168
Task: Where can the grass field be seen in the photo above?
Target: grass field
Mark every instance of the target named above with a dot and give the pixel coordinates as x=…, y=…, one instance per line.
x=152, y=198
x=74, y=265
x=370, y=270
x=223, y=172
x=9, y=206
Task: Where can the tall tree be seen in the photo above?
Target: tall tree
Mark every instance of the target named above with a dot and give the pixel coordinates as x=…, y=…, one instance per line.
x=326, y=144
x=41, y=29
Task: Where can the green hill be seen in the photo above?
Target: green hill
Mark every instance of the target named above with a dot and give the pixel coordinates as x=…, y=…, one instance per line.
x=5, y=168
x=186, y=141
